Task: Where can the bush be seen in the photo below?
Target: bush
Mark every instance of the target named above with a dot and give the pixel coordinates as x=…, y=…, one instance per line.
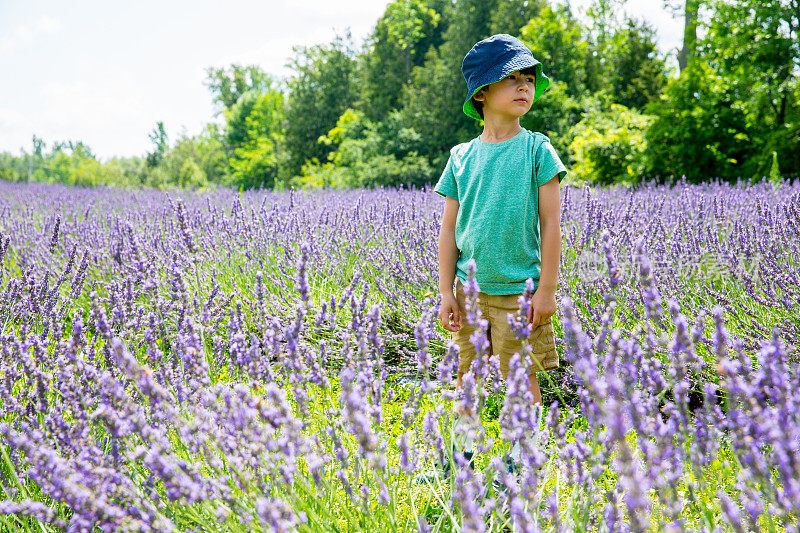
x=609, y=145
x=368, y=154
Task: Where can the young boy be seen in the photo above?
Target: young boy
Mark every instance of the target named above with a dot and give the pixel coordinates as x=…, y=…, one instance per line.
x=502, y=209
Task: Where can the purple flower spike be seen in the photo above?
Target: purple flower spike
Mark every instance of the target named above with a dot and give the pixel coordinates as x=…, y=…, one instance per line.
x=277, y=515
x=140, y=377
x=614, y=274
x=471, y=287
x=183, y=224
x=731, y=512
x=301, y=276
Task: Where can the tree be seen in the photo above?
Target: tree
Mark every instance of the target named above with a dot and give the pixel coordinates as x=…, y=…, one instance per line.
x=158, y=136
x=432, y=104
x=194, y=161
x=227, y=85
x=733, y=112
x=37, y=155
x=699, y=131
x=689, y=13
x=622, y=58
x=252, y=104
x=369, y=154
x=554, y=114
x=637, y=73
x=617, y=62
x=399, y=42
x=600, y=30
x=323, y=86
x=208, y=151
x=756, y=45
x=8, y=167
x=609, y=145
x=254, y=134
x=509, y=16
x=432, y=101
x=557, y=39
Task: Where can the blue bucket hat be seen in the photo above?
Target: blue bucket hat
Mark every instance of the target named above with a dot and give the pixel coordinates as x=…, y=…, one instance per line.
x=493, y=59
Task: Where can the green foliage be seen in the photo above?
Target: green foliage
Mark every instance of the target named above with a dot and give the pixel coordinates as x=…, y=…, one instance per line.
x=432, y=104
x=208, y=151
x=323, y=87
x=774, y=170
x=609, y=144
x=7, y=164
x=227, y=85
x=734, y=109
x=755, y=46
x=369, y=154
x=603, y=55
x=402, y=36
x=132, y=169
x=193, y=162
x=556, y=38
x=622, y=58
x=432, y=98
x=617, y=60
x=432, y=101
x=700, y=130
x=509, y=16
x=160, y=145
x=637, y=73
x=70, y=163
x=554, y=114
x=253, y=136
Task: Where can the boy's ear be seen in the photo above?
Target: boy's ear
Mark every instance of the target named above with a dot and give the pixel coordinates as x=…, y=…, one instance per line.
x=479, y=95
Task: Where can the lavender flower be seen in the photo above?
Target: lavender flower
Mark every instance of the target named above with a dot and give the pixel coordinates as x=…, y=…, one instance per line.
x=156, y=359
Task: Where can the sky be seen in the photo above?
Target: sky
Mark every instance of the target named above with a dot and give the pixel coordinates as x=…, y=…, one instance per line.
x=104, y=72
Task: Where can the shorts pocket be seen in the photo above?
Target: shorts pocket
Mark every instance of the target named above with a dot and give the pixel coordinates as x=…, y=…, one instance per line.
x=543, y=345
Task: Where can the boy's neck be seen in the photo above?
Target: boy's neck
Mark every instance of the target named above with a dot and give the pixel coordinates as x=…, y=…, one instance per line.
x=498, y=129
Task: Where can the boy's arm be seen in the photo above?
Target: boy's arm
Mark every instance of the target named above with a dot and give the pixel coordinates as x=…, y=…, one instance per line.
x=448, y=256
x=543, y=303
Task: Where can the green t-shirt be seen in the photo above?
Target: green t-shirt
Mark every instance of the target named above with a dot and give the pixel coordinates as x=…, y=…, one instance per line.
x=497, y=187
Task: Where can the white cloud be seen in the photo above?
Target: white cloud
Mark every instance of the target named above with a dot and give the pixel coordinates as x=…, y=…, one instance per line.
x=107, y=99
x=305, y=24
x=25, y=34
x=101, y=110
x=11, y=122
x=271, y=56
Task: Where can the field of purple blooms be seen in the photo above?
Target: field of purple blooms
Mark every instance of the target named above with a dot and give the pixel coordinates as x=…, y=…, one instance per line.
x=223, y=361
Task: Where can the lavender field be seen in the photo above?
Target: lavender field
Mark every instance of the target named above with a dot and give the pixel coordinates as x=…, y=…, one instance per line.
x=217, y=361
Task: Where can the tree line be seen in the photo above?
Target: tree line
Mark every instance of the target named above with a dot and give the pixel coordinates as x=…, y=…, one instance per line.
x=386, y=111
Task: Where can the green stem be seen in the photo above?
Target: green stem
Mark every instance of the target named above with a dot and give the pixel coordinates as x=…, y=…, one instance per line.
x=18, y=483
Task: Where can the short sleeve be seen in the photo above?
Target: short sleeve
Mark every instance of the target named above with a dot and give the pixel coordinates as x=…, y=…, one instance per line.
x=548, y=164
x=447, y=182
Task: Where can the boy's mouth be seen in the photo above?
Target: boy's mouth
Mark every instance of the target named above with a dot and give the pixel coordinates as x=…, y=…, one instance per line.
x=523, y=100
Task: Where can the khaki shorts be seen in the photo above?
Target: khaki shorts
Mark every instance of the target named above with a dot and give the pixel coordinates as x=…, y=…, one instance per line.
x=502, y=341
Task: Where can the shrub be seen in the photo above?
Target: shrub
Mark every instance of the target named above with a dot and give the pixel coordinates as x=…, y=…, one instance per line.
x=609, y=145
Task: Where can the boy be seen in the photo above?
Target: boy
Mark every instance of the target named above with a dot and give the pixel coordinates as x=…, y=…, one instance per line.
x=499, y=191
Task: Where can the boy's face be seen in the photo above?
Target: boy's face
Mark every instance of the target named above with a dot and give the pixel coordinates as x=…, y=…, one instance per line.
x=510, y=97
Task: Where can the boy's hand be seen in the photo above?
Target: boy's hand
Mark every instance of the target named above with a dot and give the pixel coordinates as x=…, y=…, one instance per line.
x=543, y=306
x=449, y=315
